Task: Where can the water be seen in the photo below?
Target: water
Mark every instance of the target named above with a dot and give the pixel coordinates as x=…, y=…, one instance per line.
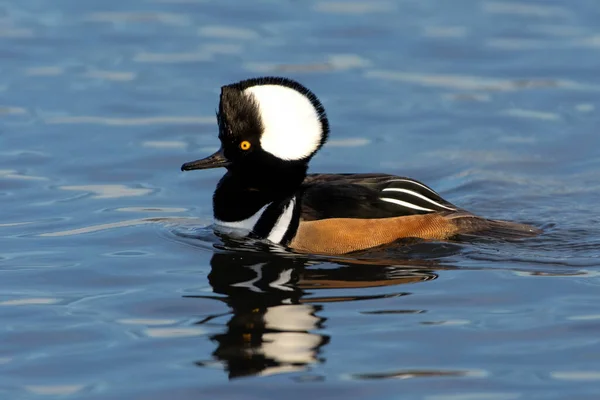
x=113, y=286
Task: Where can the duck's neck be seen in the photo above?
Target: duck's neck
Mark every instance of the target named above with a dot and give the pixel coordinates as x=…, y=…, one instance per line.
x=261, y=202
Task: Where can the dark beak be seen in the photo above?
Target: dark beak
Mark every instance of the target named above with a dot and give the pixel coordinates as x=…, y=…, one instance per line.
x=213, y=161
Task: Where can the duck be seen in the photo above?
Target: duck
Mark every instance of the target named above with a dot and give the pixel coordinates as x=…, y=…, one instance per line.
x=269, y=129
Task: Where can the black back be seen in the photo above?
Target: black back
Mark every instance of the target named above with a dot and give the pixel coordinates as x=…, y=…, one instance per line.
x=360, y=196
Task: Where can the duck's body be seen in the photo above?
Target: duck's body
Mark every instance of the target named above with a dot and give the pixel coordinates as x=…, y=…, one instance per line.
x=270, y=128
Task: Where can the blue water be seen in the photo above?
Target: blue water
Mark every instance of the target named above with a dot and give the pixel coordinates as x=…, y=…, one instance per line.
x=112, y=285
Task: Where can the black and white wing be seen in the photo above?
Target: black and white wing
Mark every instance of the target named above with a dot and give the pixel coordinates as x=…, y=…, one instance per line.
x=413, y=195
x=368, y=196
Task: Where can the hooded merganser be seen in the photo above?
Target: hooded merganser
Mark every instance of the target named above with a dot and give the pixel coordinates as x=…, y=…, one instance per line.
x=269, y=129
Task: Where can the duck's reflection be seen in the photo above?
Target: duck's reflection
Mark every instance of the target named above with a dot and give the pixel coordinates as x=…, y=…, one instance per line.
x=275, y=324
x=271, y=330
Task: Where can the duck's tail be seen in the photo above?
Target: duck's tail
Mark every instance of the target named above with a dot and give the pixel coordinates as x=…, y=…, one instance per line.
x=469, y=224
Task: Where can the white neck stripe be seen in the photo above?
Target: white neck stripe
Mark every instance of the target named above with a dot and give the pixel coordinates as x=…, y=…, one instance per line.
x=283, y=222
x=245, y=224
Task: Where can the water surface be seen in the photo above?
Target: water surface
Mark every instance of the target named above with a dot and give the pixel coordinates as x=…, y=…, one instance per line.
x=104, y=294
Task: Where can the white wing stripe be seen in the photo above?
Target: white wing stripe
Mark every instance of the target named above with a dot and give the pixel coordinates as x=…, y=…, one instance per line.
x=405, y=204
x=413, y=182
x=419, y=196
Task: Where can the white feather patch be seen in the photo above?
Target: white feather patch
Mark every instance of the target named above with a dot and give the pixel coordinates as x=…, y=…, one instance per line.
x=414, y=183
x=292, y=129
x=405, y=204
x=283, y=222
x=420, y=196
x=245, y=224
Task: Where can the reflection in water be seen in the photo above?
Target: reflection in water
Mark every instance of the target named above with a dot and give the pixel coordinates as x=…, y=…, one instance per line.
x=415, y=373
x=271, y=329
x=275, y=320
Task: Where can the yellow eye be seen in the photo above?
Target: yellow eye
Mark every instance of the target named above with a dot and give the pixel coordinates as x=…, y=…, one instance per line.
x=245, y=145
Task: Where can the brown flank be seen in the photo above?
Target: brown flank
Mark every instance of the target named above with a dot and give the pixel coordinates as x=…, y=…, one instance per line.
x=345, y=235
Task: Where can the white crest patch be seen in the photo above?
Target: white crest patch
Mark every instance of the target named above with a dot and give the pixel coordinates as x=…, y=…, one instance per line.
x=292, y=129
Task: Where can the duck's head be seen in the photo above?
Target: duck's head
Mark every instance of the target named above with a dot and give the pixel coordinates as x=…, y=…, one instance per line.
x=266, y=123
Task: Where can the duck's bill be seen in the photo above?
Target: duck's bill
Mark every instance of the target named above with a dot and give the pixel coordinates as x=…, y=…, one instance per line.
x=216, y=160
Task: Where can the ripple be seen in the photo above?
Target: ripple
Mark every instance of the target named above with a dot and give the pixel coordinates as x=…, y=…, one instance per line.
x=30, y=301
x=339, y=62
x=386, y=312
x=421, y=373
x=140, y=17
x=585, y=107
x=115, y=76
x=109, y=191
x=150, y=209
x=54, y=390
x=558, y=30
x=465, y=82
x=227, y=32
x=163, y=120
x=115, y=225
x=445, y=31
x=12, y=174
x=520, y=44
x=354, y=7
x=164, y=144
x=590, y=317
x=541, y=115
x=146, y=321
x=180, y=57
x=348, y=142
x=12, y=110
x=526, y=10
x=9, y=224
x=475, y=396
x=222, y=48
x=478, y=97
x=347, y=61
x=44, y=71
x=485, y=156
x=576, y=375
x=16, y=33
x=24, y=153
x=177, y=1
x=591, y=41
x=129, y=253
x=268, y=67
x=174, y=332
x=552, y=274
x=452, y=322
